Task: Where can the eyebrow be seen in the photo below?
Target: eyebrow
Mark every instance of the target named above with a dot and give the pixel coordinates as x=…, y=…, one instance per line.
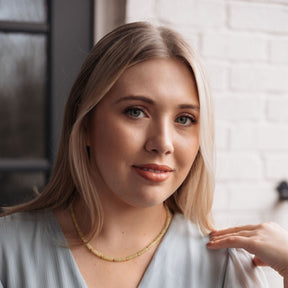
x=152, y=102
x=189, y=106
x=136, y=98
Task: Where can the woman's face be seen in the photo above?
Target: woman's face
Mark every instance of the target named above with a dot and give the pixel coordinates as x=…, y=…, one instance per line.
x=144, y=134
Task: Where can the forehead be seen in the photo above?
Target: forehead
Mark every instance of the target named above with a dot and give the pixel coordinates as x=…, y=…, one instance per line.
x=161, y=79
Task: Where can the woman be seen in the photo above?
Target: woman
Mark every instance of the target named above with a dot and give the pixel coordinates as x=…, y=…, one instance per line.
x=133, y=179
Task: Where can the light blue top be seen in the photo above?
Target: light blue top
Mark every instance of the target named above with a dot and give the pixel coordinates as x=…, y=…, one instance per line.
x=32, y=255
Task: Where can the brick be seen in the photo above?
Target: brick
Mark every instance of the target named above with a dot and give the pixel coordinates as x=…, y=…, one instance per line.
x=279, y=50
x=197, y=14
x=230, y=218
x=140, y=10
x=273, y=137
x=249, y=77
x=217, y=74
x=234, y=45
x=266, y=137
x=238, y=166
x=276, y=166
x=254, y=192
x=244, y=218
x=277, y=108
x=221, y=219
x=267, y=17
x=221, y=135
x=221, y=198
x=239, y=106
x=244, y=137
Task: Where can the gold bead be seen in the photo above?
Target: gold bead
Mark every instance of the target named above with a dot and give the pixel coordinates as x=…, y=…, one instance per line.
x=130, y=257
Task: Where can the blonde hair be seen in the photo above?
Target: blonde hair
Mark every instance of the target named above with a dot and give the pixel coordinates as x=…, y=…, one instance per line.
x=125, y=46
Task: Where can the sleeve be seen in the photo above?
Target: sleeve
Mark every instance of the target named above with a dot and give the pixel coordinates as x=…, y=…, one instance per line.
x=241, y=272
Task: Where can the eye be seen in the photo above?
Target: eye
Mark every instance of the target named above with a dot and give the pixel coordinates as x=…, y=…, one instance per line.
x=185, y=120
x=134, y=112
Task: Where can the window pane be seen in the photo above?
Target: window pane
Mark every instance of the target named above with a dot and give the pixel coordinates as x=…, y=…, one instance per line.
x=23, y=10
x=16, y=188
x=22, y=95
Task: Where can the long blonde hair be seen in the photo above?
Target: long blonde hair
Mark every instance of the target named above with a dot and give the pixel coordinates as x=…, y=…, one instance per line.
x=125, y=46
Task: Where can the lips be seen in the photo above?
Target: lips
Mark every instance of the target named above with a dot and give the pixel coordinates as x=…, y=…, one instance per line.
x=153, y=172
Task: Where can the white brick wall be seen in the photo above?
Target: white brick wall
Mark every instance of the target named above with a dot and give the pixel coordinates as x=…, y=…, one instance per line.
x=255, y=16
x=279, y=50
x=244, y=45
x=235, y=46
x=277, y=108
x=256, y=77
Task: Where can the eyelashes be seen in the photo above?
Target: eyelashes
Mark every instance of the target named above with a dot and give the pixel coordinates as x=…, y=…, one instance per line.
x=134, y=112
x=185, y=120
x=139, y=112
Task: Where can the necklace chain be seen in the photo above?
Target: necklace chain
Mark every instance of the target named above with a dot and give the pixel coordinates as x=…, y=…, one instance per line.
x=121, y=259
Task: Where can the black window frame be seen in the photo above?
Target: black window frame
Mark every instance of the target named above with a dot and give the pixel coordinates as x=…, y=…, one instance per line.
x=69, y=30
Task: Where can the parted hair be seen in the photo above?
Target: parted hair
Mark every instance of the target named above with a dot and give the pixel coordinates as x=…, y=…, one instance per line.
x=120, y=49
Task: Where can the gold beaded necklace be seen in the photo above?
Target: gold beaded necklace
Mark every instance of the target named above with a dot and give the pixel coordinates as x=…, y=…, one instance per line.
x=121, y=259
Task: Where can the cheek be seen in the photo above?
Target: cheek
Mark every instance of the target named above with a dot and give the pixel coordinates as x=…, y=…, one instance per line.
x=116, y=141
x=188, y=148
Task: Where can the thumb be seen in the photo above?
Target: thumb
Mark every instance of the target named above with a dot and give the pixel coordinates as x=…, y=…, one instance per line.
x=258, y=262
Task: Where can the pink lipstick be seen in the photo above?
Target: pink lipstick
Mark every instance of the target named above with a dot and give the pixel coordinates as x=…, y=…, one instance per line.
x=153, y=172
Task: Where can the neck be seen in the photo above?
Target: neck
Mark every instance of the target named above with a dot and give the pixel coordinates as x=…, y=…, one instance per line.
x=133, y=220
x=125, y=237
x=124, y=224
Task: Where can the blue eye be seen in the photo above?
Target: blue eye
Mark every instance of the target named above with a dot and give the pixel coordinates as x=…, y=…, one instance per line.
x=134, y=112
x=185, y=120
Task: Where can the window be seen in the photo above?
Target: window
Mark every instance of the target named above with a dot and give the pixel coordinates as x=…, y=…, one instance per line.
x=42, y=46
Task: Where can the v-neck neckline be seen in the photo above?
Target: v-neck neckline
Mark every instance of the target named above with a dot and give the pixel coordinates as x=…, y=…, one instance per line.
x=76, y=269
x=67, y=251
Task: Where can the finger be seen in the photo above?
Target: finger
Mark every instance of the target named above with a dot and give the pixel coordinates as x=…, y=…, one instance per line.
x=244, y=233
x=231, y=242
x=258, y=262
x=234, y=229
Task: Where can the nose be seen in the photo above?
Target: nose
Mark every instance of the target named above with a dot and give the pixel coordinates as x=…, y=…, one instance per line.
x=160, y=138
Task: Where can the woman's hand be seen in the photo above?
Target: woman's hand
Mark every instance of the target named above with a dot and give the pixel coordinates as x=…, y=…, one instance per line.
x=267, y=241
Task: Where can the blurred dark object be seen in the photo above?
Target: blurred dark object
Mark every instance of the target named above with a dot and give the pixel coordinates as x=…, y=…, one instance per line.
x=42, y=47
x=19, y=187
x=282, y=189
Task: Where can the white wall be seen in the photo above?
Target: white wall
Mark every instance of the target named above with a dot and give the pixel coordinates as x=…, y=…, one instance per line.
x=244, y=45
x=108, y=14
